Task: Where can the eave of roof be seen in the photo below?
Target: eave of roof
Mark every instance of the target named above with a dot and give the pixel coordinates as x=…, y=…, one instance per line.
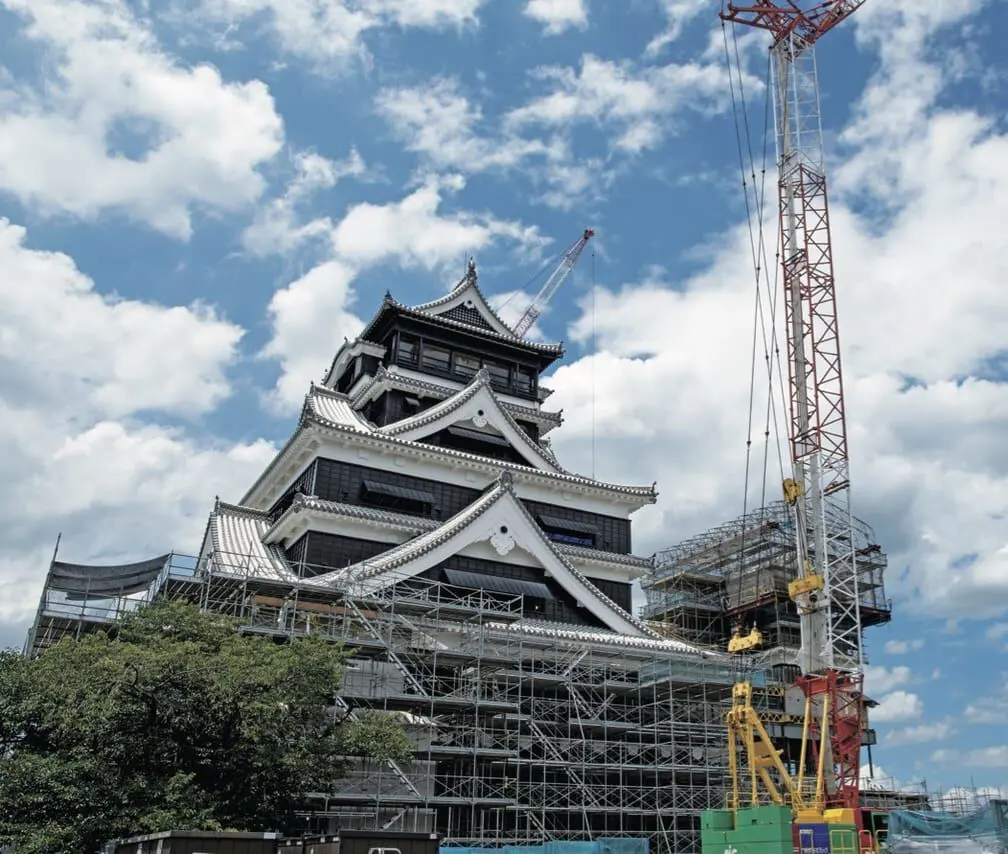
x=386, y=564
x=479, y=386
x=312, y=422
x=554, y=351
x=469, y=282
x=385, y=378
x=381, y=518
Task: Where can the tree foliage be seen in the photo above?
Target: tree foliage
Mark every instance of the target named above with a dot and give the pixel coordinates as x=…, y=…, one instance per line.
x=176, y=721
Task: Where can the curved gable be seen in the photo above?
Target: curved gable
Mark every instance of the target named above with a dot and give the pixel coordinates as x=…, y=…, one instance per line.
x=478, y=404
x=466, y=304
x=497, y=517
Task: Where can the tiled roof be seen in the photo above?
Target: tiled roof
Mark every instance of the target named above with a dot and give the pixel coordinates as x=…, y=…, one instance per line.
x=478, y=386
x=469, y=286
x=608, y=557
x=384, y=378
x=547, y=628
x=237, y=537
x=383, y=518
x=334, y=412
x=335, y=408
x=554, y=350
x=374, y=571
x=421, y=524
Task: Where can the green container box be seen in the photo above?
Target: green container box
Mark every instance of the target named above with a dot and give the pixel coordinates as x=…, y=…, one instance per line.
x=717, y=820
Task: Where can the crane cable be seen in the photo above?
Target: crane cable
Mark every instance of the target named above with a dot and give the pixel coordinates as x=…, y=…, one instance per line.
x=757, y=242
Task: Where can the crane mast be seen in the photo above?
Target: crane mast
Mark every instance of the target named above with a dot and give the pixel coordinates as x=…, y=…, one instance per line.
x=826, y=587
x=567, y=262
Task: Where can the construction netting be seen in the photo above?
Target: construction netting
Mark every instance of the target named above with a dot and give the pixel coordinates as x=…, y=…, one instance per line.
x=982, y=832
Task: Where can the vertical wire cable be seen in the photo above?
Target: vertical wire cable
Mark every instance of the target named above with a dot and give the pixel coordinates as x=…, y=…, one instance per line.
x=593, y=358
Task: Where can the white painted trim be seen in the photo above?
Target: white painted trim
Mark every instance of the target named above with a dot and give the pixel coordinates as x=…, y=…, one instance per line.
x=481, y=409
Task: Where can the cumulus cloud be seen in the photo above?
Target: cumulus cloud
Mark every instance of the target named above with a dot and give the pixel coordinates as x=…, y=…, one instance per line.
x=634, y=104
x=897, y=706
x=557, y=16
x=919, y=734
x=982, y=757
x=330, y=33
x=311, y=316
x=118, y=124
x=276, y=227
x=116, y=356
x=678, y=13
x=77, y=370
x=413, y=231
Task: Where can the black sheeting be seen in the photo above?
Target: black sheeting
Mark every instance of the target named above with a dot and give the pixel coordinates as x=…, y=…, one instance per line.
x=497, y=584
x=558, y=524
x=105, y=579
x=489, y=438
x=405, y=492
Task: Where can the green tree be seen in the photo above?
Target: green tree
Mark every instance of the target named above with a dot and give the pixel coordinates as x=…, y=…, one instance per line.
x=175, y=721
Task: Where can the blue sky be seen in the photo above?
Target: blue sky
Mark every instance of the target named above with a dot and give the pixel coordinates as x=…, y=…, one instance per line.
x=200, y=198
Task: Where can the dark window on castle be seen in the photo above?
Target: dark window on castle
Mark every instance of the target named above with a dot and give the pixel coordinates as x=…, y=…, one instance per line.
x=404, y=498
x=465, y=366
x=406, y=354
x=305, y=484
x=568, y=531
x=500, y=375
x=433, y=358
x=525, y=380
x=317, y=552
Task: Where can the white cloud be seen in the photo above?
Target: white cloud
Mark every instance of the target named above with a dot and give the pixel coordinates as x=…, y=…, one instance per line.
x=558, y=15
x=679, y=13
x=309, y=317
x=76, y=369
x=997, y=631
x=329, y=33
x=276, y=227
x=984, y=757
x=920, y=734
x=928, y=462
x=902, y=647
x=413, y=232
x=881, y=680
x=312, y=315
x=439, y=122
x=991, y=709
x=118, y=124
x=635, y=104
x=897, y=706
x=115, y=356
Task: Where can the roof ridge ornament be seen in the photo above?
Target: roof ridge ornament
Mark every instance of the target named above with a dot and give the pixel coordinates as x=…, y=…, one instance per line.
x=470, y=275
x=506, y=480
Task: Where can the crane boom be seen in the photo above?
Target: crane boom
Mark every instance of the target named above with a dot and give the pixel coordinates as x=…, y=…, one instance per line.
x=826, y=588
x=567, y=262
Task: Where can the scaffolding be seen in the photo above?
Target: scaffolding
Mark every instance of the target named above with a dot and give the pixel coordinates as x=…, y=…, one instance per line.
x=523, y=731
x=737, y=574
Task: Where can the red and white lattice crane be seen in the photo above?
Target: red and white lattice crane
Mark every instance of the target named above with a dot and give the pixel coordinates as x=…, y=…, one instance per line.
x=826, y=589
x=567, y=262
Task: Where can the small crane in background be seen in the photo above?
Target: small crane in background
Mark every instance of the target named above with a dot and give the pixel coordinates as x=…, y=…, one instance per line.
x=549, y=288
